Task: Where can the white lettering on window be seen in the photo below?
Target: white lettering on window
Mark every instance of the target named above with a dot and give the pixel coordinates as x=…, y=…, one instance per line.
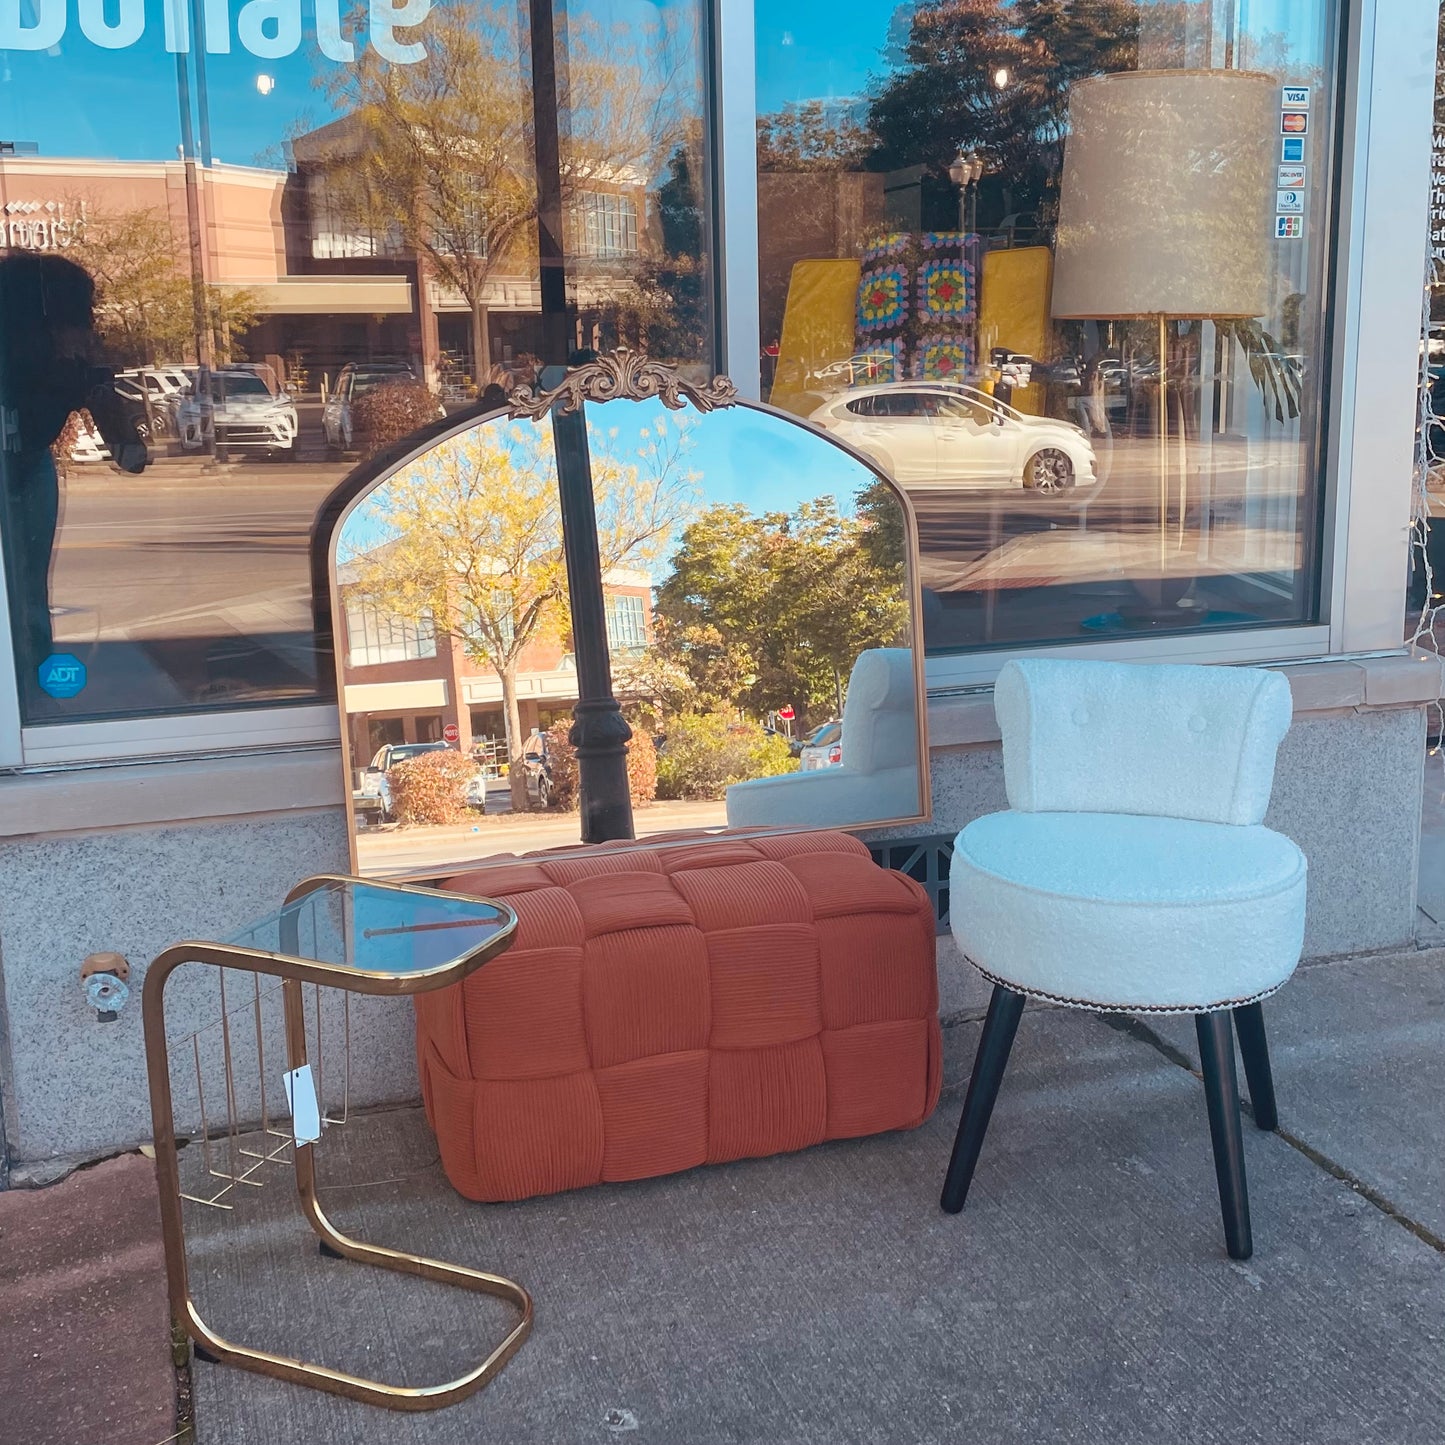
x=178, y=26
x=387, y=18
x=252, y=23
x=268, y=29
x=48, y=28
x=216, y=22
x=130, y=23
x=334, y=46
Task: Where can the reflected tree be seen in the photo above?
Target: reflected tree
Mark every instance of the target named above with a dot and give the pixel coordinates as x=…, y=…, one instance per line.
x=946, y=94
x=145, y=302
x=439, y=154
x=470, y=539
x=664, y=311
x=772, y=609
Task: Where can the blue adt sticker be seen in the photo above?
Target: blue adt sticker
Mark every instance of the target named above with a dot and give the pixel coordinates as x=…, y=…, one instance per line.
x=62, y=675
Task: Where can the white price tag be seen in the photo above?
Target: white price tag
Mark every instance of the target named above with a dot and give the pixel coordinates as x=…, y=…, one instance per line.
x=305, y=1112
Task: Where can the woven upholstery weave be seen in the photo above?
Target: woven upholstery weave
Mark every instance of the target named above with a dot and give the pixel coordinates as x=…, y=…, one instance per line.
x=668, y=1007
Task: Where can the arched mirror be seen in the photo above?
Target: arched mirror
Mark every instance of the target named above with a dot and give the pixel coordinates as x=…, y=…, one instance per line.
x=762, y=624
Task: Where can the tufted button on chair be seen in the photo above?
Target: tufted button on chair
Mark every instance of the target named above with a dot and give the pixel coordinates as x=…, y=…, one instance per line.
x=1132, y=873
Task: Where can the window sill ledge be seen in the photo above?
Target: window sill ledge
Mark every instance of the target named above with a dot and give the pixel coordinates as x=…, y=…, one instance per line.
x=85, y=800
x=1342, y=685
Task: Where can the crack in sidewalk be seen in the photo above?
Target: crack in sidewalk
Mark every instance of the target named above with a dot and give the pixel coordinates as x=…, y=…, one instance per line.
x=1142, y=1033
x=1135, y=1029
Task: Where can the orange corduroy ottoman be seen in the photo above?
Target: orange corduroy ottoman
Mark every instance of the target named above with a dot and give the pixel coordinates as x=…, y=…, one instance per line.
x=672, y=1006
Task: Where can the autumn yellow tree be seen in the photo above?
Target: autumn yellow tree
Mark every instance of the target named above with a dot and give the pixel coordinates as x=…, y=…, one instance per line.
x=468, y=539
x=145, y=298
x=440, y=152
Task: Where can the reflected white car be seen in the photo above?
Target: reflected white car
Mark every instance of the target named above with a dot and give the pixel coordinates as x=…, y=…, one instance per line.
x=823, y=748
x=89, y=445
x=355, y=380
x=941, y=434
x=240, y=405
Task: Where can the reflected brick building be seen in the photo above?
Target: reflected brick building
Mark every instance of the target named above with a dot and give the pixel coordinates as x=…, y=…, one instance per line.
x=403, y=683
x=325, y=290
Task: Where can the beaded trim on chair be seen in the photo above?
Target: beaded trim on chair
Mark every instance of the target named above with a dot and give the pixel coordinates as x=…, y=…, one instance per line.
x=1122, y=1008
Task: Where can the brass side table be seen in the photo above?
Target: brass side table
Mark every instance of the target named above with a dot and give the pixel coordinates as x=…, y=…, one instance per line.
x=363, y=937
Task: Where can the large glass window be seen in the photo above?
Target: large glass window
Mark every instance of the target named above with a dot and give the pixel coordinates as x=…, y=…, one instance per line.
x=1062, y=271
x=245, y=244
x=626, y=622
x=374, y=637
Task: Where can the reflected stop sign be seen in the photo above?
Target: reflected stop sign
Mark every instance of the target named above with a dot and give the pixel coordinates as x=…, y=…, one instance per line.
x=786, y=712
x=451, y=733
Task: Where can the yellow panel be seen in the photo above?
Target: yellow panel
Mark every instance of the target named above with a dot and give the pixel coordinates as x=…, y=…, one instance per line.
x=817, y=329
x=1014, y=310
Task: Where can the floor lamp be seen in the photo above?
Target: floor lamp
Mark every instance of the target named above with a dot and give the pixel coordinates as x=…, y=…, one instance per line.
x=1166, y=214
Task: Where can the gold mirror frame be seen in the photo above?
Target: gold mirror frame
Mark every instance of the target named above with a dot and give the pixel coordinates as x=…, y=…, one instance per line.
x=621, y=376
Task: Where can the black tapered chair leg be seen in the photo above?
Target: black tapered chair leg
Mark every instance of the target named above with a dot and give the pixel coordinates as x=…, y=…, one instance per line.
x=1221, y=1092
x=999, y=1028
x=1254, y=1049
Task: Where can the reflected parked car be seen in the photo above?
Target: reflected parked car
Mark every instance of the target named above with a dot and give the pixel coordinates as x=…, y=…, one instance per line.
x=373, y=796
x=240, y=407
x=152, y=412
x=807, y=739
x=89, y=445
x=338, y=419
x=536, y=764
x=948, y=435
x=822, y=748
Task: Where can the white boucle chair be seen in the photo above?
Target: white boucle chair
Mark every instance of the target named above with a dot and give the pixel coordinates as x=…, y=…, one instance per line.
x=1132, y=873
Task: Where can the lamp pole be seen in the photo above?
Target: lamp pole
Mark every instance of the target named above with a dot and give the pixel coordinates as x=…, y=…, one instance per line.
x=599, y=731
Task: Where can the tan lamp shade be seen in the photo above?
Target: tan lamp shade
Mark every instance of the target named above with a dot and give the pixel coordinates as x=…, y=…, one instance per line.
x=1167, y=203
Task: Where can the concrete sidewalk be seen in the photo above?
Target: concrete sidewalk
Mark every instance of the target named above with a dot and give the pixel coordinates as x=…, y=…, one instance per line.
x=1083, y=1296
x=84, y=1327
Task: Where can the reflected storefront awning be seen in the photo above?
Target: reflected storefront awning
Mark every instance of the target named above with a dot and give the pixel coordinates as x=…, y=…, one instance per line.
x=332, y=295
x=396, y=696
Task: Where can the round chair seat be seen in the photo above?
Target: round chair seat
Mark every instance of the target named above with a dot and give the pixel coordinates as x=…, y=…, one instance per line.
x=1116, y=911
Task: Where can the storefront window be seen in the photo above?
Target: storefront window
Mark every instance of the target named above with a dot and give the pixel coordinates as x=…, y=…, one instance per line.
x=247, y=243
x=1062, y=271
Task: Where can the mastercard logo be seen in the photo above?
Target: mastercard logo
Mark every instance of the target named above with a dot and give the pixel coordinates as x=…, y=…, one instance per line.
x=1293, y=123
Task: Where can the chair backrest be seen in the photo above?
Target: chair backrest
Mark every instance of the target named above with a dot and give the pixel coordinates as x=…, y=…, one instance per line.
x=880, y=717
x=1167, y=741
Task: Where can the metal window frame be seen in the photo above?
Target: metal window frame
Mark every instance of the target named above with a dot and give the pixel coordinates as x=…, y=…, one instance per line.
x=735, y=137
x=1384, y=188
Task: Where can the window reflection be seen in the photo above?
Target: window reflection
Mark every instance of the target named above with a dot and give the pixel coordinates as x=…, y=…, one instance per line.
x=1061, y=271
x=308, y=233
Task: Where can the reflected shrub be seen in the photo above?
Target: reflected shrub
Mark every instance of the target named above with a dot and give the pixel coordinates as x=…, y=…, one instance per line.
x=703, y=754
x=562, y=756
x=641, y=768
x=431, y=788
x=387, y=413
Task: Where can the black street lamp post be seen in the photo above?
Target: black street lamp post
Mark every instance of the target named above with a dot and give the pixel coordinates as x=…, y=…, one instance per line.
x=599, y=731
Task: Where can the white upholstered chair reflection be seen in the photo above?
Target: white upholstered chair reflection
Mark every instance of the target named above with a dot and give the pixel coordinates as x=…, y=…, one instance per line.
x=878, y=777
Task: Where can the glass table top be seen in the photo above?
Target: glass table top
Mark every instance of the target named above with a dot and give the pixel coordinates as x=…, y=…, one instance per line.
x=378, y=928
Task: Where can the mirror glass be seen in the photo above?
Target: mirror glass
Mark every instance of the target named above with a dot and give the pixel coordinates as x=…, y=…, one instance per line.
x=761, y=612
